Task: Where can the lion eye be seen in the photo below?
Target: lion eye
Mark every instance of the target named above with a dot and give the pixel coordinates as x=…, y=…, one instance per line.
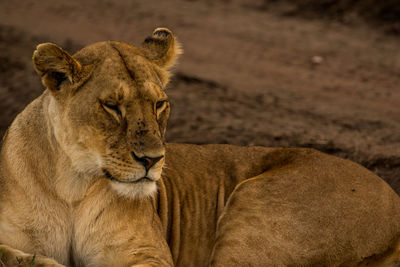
x=113, y=109
x=160, y=104
x=112, y=106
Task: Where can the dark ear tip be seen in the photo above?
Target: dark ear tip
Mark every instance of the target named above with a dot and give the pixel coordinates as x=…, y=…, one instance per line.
x=147, y=40
x=162, y=32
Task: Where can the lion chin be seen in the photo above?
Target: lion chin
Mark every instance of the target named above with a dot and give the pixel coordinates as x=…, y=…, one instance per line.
x=138, y=190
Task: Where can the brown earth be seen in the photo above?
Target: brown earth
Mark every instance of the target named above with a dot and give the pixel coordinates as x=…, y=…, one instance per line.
x=250, y=75
x=383, y=14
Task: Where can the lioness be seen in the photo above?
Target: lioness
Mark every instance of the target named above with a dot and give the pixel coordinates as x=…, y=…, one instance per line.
x=87, y=180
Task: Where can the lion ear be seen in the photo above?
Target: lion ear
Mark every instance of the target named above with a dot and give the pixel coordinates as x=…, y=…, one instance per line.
x=162, y=48
x=55, y=66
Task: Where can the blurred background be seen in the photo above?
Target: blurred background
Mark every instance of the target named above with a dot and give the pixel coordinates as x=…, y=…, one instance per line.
x=287, y=73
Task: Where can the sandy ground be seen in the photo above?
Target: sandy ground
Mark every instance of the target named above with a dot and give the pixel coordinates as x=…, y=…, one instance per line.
x=248, y=76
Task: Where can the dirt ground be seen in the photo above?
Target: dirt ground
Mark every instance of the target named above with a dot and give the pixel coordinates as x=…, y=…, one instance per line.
x=250, y=75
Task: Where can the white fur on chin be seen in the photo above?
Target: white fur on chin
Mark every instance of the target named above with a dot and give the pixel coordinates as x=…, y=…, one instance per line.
x=135, y=190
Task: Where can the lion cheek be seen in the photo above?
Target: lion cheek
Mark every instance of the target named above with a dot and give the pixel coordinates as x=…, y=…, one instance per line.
x=85, y=162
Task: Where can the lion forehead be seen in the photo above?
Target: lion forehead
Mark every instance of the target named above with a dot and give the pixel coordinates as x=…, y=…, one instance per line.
x=128, y=58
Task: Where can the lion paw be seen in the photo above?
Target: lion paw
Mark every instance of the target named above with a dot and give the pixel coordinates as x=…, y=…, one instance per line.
x=10, y=257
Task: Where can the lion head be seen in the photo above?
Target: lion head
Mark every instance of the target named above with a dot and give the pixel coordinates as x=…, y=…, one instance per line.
x=108, y=110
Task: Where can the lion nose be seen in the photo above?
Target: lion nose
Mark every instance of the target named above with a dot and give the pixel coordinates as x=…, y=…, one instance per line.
x=147, y=162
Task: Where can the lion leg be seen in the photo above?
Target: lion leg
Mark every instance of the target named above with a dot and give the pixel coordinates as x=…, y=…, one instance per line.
x=242, y=238
x=10, y=257
x=288, y=217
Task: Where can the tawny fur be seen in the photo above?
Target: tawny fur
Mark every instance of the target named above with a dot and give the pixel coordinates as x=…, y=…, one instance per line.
x=72, y=193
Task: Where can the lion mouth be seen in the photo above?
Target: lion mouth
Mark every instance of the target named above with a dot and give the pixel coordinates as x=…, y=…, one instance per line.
x=112, y=178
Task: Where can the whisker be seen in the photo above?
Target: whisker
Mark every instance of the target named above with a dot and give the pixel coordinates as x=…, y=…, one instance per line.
x=120, y=163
